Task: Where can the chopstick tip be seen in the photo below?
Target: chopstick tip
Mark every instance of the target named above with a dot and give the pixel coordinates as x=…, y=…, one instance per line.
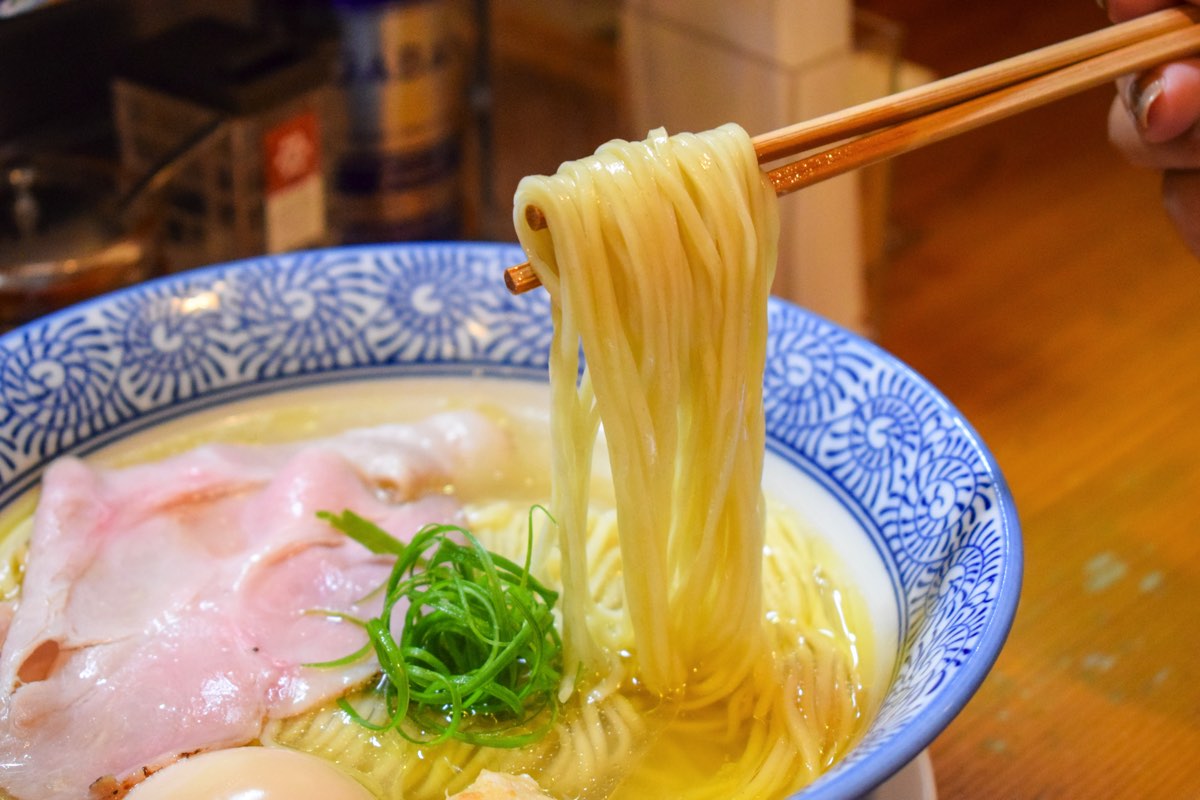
x=534, y=218
x=521, y=279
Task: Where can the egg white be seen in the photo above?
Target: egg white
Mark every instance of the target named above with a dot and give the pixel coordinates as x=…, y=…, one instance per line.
x=249, y=773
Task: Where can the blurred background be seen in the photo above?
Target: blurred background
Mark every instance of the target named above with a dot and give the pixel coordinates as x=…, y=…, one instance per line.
x=1025, y=269
x=190, y=135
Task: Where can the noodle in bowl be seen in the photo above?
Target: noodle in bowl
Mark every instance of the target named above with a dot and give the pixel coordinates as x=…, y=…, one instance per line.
x=893, y=480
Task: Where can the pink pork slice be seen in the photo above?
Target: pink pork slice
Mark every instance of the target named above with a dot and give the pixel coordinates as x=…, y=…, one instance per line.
x=167, y=608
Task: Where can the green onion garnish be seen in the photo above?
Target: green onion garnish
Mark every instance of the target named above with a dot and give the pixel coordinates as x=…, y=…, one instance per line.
x=479, y=658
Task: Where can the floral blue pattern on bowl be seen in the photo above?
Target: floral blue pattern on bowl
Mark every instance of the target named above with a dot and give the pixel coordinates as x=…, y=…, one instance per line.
x=877, y=436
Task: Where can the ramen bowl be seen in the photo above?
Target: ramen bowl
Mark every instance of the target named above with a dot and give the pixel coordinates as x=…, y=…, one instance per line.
x=885, y=469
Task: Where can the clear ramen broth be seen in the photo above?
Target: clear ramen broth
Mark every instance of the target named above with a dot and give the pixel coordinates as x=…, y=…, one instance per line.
x=613, y=739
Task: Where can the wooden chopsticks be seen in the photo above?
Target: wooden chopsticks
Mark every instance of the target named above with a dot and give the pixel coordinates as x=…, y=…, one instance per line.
x=911, y=119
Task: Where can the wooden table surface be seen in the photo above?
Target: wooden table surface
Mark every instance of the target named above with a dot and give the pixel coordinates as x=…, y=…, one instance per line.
x=1037, y=282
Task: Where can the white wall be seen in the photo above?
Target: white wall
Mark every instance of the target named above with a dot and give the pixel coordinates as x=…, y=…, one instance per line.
x=762, y=64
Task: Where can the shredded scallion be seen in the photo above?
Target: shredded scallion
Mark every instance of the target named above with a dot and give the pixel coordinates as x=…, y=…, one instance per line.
x=479, y=658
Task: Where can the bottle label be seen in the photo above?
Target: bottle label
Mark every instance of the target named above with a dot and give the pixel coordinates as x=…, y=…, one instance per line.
x=294, y=201
x=400, y=75
x=397, y=72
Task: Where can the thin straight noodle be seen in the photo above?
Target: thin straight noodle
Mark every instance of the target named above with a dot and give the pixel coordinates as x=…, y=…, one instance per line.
x=597, y=298
x=575, y=432
x=735, y=352
x=635, y=417
x=800, y=716
x=695, y=595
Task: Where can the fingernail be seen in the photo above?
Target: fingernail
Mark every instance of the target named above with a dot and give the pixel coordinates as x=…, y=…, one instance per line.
x=1141, y=100
x=1103, y=5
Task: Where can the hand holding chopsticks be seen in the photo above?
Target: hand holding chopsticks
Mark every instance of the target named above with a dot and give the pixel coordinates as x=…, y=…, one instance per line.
x=899, y=123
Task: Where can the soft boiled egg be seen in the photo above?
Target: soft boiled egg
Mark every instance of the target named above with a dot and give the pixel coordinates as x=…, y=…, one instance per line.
x=249, y=773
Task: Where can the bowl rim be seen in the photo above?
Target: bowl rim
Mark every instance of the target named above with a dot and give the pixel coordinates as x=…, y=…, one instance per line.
x=917, y=734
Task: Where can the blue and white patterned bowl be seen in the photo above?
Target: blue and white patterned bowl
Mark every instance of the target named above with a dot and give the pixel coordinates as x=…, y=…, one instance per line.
x=882, y=447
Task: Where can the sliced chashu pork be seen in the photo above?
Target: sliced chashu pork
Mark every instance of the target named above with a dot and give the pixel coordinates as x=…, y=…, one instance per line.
x=167, y=608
